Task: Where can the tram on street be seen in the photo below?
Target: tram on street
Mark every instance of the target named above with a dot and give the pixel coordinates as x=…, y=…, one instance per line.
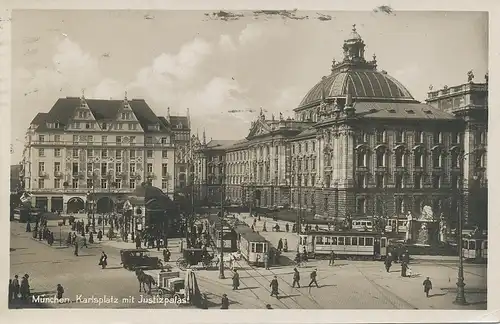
x=349, y=245
x=394, y=225
x=475, y=249
x=252, y=246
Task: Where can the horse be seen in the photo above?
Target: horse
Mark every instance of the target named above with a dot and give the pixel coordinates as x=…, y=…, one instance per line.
x=144, y=279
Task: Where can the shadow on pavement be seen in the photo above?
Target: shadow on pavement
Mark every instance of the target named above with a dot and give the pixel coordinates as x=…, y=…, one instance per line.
x=288, y=296
x=467, y=290
x=437, y=295
x=248, y=288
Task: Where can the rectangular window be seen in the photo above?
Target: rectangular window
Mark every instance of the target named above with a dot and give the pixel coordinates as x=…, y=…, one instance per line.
x=104, y=154
x=164, y=169
x=90, y=167
x=334, y=241
x=118, y=167
x=368, y=241
x=75, y=138
x=90, y=153
x=132, y=184
x=436, y=182
x=41, y=167
x=341, y=241
x=57, y=138
x=104, y=169
x=347, y=241
x=41, y=152
x=118, y=183
x=118, y=154
x=74, y=184
x=361, y=241
x=438, y=138
x=57, y=166
x=149, y=140
x=164, y=184
x=418, y=181
x=41, y=138
x=354, y=241
x=75, y=168
x=456, y=138
x=419, y=137
x=132, y=168
x=104, y=183
x=149, y=154
x=361, y=181
x=90, y=138
x=164, y=154
x=104, y=140
x=41, y=183
x=399, y=136
x=361, y=205
x=57, y=183
x=118, y=140
x=149, y=167
x=132, y=154
x=380, y=181
x=164, y=140
x=380, y=136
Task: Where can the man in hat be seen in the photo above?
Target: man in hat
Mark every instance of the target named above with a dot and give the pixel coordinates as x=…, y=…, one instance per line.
x=427, y=286
x=274, y=287
x=236, y=280
x=313, y=276
x=25, y=288
x=15, y=287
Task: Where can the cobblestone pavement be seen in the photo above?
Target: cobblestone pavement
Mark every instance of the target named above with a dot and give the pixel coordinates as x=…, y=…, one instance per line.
x=347, y=285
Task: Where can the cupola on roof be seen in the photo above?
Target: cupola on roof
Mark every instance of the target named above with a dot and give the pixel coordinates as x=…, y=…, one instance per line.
x=364, y=81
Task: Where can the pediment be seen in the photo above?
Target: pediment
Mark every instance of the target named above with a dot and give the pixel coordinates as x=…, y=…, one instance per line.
x=259, y=128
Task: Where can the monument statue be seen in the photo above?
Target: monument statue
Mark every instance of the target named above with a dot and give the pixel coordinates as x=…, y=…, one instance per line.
x=409, y=226
x=442, y=229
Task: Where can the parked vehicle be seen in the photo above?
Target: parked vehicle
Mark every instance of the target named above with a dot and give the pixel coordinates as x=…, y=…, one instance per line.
x=133, y=259
x=475, y=249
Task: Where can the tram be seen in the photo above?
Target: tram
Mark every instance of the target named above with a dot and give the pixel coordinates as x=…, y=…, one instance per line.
x=251, y=245
x=394, y=225
x=350, y=245
x=475, y=249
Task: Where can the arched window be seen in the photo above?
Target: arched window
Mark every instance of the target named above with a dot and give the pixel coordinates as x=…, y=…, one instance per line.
x=418, y=158
x=381, y=157
x=455, y=159
x=481, y=160
x=362, y=158
x=400, y=155
x=437, y=161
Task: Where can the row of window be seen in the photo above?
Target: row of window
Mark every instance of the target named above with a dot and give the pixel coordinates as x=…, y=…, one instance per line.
x=85, y=114
x=117, y=184
x=306, y=164
x=380, y=181
x=104, y=139
x=119, y=154
x=381, y=159
x=402, y=204
x=104, y=168
x=352, y=241
x=105, y=126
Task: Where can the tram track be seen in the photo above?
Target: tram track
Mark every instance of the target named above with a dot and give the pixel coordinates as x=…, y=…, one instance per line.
x=220, y=285
x=386, y=293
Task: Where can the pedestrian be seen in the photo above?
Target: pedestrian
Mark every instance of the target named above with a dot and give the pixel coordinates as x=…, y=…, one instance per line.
x=294, y=228
x=91, y=237
x=427, y=286
x=313, y=276
x=103, y=261
x=332, y=259
x=158, y=243
x=68, y=240
x=285, y=245
x=264, y=229
x=266, y=260
x=274, y=287
x=406, y=257
x=84, y=241
x=388, y=262
x=137, y=242
x=25, y=288
x=76, y=248
x=304, y=254
x=280, y=245
x=166, y=255
x=224, y=302
x=236, y=280
x=99, y=235
x=60, y=291
x=16, y=287
x=296, y=278
x=298, y=259
x=28, y=227
x=51, y=238
x=287, y=227
x=404, y=267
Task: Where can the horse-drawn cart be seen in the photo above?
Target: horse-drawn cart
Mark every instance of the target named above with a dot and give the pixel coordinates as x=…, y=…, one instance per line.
x=197, y=258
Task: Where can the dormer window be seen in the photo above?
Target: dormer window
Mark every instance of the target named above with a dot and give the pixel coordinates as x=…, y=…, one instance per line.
x=154, y=127
x=104, y=126
x=179, y=125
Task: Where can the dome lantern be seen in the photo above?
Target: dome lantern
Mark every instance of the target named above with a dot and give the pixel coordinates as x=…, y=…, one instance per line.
x=354, y=47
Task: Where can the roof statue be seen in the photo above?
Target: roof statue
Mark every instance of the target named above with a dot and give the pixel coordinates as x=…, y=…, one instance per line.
x=272, y=117
x=431, y=87
x=470, y=76
x=281, y=116
x=125, y=95
x=83, y=93
x=374, y=58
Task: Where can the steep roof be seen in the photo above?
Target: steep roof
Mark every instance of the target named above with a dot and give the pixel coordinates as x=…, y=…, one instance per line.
x=179, y=120
x=395, y=110
x=39, y=119
x=220, y=144
x=64, y=109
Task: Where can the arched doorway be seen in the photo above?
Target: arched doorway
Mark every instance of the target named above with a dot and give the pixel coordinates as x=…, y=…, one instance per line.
x=75, y=205
x=104, y=205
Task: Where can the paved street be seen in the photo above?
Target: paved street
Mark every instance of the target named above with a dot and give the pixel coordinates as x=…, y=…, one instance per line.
x=346, y=285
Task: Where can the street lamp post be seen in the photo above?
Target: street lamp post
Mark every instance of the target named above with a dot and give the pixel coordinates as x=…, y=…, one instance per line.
x=460, y=298
x=221, y=263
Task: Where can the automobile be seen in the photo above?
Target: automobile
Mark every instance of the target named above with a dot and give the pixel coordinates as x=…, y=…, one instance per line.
x=132, y=259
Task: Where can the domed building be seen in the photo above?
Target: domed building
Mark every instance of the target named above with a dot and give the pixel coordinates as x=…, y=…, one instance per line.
x=360, y=145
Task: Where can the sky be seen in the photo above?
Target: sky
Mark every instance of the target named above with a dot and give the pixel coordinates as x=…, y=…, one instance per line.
x=186, y=59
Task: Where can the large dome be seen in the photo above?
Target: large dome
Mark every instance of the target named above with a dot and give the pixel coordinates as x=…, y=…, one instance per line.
x=358, y=77
x=364, y=84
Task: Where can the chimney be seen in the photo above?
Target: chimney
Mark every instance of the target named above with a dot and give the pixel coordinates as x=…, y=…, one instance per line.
x=168, y=114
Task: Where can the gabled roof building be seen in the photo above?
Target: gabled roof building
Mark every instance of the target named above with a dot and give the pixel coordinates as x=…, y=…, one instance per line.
x=92, y=150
